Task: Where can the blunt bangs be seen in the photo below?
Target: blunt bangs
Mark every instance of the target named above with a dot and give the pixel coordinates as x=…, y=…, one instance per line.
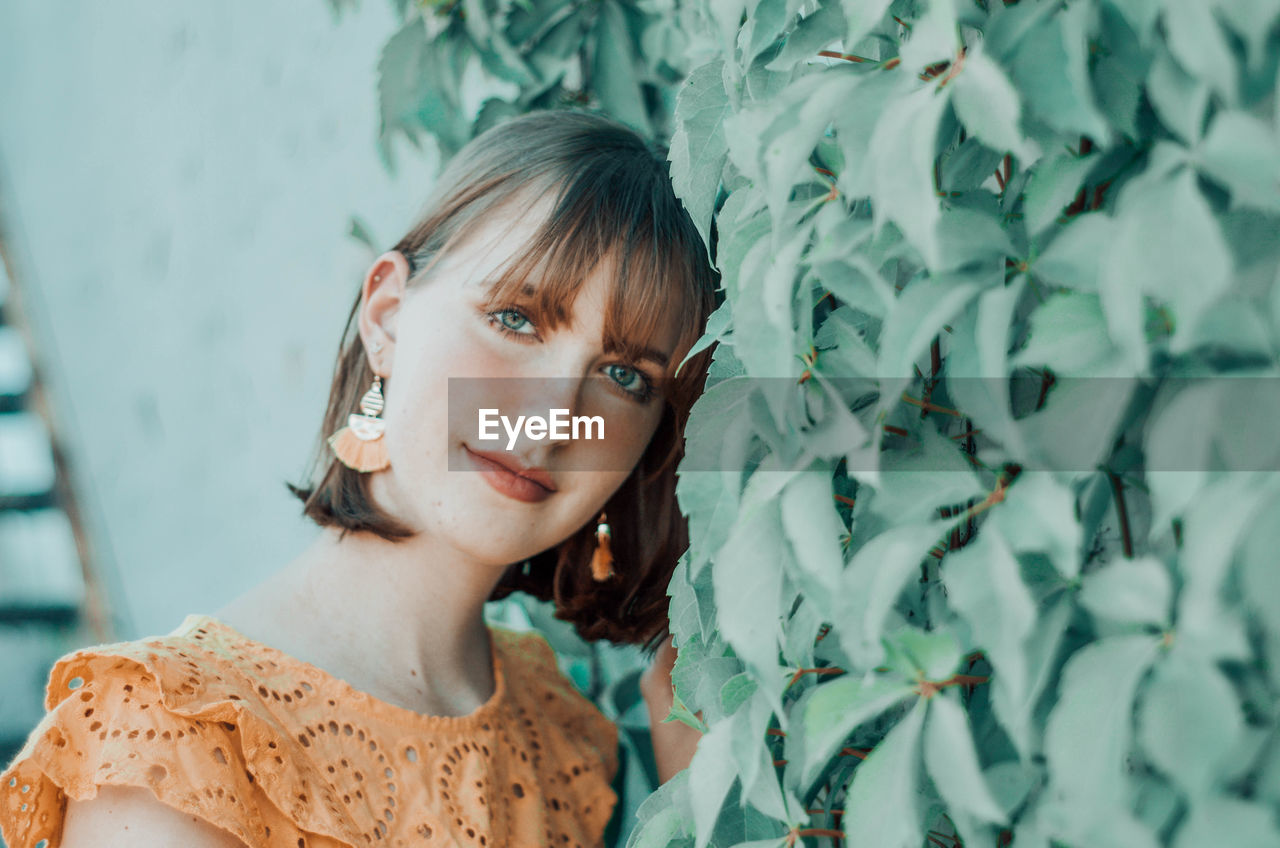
x=604, y=218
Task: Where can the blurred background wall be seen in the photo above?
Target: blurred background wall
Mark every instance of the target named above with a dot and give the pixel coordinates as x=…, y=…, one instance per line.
x=177, y=183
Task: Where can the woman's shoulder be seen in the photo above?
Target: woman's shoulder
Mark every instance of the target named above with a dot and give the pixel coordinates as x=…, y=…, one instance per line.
x=544, y=688
x=185, y=715
x=541, y=691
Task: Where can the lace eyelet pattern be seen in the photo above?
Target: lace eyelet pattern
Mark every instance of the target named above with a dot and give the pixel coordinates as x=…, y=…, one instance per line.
x=281, y=754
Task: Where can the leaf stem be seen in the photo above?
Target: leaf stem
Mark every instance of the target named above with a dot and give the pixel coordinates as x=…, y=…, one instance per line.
x=1126, y=534
x=927, y=407
x=848, y=57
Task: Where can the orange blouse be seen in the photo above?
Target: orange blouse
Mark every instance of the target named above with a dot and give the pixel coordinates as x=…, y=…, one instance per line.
x=285, y=755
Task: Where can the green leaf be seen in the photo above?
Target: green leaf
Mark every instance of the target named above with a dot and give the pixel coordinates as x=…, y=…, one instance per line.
x=1078, y=425
x=1243, y=153
x=873, y=580
x=953, y=763
x=813, y=528
x=856, y=125
x=862, y=17
x=832, y=711
x=1069, y=334
x=1072, y=258
x=613, y=70
x=921, y=311
x=1088, y=733
x=988, y=105
x=814, y=32
x=735, y=691
x=933, y=654
x=698, y=680
x=764, y=311
x=1247, y=18
x=1212, y=528
x=762, y=27
x=1178, y=440
x=418, y=81
x=1132, y=591
x=1141, y=15
x=1189, y=721
x=664, y=815
x=711, y=773
x=1010, y=782
x=915, y=481
x=710, y=479
x=719, y=325
x=978, y=367
x=901, y=156
x=1179, y=99
x=1260, y=579
x=984, y=584
x=1051, y=62
x=880, y=806
x=698, y=149
x=760, y=786
x=683, y=611
x=1038, y=514
x=966, y=236
x=1055, y=183
x=747, y=577
x=681, y=713
x=790, y=139
x=1223, y=820
x=934, y=37
x=1200, y=45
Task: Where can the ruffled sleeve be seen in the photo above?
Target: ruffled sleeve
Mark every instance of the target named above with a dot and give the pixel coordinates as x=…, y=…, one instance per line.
x=152, y=715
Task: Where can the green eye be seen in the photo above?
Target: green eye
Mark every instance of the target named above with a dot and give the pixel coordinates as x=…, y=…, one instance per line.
x=513, y=312
x=641, y=390
x=498, y=318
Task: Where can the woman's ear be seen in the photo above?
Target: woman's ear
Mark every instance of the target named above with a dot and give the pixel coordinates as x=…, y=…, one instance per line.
x=380, y=298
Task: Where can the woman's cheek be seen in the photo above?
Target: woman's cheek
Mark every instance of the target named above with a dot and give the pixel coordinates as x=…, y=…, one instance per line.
x=627, y=434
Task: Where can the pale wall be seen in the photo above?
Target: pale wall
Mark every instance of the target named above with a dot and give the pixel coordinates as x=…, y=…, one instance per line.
x=177, y=180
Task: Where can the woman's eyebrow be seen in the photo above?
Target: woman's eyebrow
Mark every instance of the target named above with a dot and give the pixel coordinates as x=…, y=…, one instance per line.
x=644, y=353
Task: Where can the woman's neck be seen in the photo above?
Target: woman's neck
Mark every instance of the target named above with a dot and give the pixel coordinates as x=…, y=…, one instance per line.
x=397, y=620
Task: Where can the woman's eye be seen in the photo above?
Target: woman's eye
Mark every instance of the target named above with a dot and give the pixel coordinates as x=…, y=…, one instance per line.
x=632, y=382
x=499, y=319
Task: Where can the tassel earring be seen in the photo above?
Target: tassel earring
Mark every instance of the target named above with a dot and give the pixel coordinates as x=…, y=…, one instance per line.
x=602, y=559
x=360, y=445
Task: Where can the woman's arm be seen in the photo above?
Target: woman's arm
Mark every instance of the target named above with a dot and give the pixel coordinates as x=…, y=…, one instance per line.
x=673, y=742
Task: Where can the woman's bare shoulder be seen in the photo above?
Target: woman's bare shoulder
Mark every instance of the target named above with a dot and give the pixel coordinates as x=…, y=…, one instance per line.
x=132, y=816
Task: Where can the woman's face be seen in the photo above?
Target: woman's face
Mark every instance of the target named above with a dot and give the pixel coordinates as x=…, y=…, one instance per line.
x=440, y=329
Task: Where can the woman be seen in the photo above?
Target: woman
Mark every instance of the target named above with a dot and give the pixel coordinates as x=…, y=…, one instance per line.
x=358, y=695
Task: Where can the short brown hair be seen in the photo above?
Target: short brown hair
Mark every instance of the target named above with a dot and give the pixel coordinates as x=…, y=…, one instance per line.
x=613, y=191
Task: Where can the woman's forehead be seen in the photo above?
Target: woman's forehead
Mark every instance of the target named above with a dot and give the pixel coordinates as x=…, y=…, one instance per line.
x=488, y=252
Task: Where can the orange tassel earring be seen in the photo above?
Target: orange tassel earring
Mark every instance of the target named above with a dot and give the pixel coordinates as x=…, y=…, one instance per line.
x=602, y=559
x=360, y=445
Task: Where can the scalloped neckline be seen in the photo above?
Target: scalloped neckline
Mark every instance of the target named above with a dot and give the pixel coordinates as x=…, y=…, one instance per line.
x=346, y=693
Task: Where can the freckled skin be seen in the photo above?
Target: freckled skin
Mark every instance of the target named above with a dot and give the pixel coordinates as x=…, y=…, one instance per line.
x=440, y=330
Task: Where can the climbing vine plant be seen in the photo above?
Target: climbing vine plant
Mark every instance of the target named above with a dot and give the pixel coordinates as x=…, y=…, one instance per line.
x=982, y=488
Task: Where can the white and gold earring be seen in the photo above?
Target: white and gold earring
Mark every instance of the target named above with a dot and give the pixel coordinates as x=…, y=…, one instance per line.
x=360, y=445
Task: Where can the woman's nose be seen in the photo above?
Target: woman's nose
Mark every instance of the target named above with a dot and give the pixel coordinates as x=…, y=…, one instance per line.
x=557, y=398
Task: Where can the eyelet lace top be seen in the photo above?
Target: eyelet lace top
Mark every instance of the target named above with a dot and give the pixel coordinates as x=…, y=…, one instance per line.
x=284, y=755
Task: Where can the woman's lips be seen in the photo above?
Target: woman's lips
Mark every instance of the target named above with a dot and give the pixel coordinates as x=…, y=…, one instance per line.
x=507, y=482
